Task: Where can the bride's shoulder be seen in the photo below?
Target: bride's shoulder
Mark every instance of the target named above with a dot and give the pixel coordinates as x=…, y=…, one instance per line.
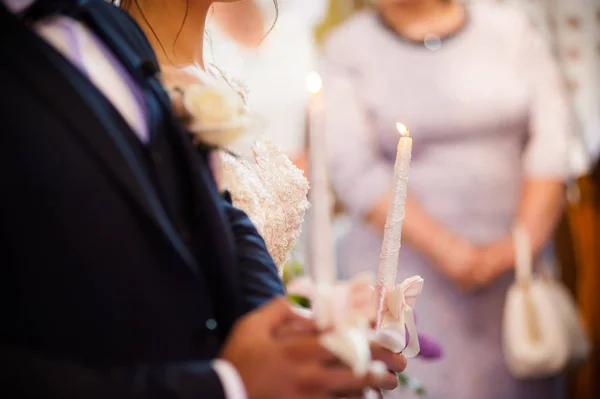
x=286, y=181
x=185, y=75
x=267, y=151
x=277, y=172
x=269, y=159
x=272, y=191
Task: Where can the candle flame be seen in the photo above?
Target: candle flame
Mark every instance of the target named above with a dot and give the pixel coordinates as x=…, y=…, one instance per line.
x=403, y=130
x=314, y=83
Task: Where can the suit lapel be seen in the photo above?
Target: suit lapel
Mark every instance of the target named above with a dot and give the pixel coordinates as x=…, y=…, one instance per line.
x=142, y=66
x=205, y=198
x=91, y=117
x=208, y=211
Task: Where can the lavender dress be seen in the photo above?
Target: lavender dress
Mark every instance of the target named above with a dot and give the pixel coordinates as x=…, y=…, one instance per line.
x=486, y=111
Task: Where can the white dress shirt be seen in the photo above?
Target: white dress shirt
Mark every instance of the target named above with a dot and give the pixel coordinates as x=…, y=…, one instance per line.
x=80, y=46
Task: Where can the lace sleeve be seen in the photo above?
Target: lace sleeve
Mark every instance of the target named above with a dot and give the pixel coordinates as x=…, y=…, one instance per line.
x=272, y=191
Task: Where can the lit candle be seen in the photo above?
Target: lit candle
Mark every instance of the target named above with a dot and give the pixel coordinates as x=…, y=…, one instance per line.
x=388, y=261
x=322, y=258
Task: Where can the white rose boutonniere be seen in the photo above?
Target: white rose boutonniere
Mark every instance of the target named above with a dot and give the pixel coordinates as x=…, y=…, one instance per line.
x=214, y=113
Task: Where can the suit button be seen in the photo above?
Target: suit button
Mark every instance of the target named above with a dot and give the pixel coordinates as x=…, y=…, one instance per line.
x=211, y=324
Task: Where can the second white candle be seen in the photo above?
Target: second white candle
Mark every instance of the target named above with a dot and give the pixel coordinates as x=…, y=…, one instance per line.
x=392, y=237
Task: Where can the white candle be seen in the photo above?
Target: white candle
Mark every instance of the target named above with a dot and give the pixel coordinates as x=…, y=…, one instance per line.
x=322, y=258
x=388, y=261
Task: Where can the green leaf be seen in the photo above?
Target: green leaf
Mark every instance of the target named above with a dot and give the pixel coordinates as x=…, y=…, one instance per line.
x=291, y=270
x=406, y=382
x=402, y=379
x=299, y=300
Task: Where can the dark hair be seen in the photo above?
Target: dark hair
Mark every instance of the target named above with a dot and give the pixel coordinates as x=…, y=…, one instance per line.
x=127, y=4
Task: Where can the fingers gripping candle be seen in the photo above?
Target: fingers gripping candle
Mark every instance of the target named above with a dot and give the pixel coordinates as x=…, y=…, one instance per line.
x=388, y=261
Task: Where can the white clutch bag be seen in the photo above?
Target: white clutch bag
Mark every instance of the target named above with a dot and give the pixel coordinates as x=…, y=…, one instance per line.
x=542, y=332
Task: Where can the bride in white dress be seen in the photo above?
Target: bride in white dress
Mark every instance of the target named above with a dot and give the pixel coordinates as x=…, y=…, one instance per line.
x=260, y=178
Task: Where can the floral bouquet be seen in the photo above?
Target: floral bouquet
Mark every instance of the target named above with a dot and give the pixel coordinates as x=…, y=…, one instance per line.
x=297, y=287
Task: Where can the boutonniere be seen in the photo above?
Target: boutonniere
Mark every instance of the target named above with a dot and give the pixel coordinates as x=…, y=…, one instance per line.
x=214, y=114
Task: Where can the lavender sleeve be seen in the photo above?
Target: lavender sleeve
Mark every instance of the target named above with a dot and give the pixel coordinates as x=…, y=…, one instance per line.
x=360, y=175
x=550, y=117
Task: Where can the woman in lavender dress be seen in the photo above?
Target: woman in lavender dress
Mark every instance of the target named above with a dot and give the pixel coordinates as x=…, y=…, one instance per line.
x=483, y=100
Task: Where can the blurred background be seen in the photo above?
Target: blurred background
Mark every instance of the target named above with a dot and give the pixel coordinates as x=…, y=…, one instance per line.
x=502, y=99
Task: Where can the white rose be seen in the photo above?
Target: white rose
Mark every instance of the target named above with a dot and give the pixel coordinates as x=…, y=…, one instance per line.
x=217, y=113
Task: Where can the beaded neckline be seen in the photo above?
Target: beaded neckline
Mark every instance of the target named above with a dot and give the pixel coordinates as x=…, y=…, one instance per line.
x=424, y=42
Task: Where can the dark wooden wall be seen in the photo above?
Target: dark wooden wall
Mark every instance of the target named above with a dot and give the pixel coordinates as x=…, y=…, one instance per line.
x=578, y=246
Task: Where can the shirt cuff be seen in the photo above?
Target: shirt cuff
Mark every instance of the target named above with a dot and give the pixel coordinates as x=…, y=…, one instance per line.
x=233, y=386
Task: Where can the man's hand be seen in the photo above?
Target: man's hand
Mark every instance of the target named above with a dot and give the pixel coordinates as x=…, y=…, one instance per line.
x=292, y=366
x=395, y=363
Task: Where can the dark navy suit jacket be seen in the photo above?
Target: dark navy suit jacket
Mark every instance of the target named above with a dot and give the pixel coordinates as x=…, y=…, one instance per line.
x=100, y=297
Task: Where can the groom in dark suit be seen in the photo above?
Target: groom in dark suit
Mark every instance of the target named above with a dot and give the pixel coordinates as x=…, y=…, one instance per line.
x=124, y=274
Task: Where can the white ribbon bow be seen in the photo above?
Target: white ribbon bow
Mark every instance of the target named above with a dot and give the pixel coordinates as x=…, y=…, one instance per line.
x=345, y=309
x=398, y=318
x=345, y=304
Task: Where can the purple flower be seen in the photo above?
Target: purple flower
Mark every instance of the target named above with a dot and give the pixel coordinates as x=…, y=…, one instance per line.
x=430, y=349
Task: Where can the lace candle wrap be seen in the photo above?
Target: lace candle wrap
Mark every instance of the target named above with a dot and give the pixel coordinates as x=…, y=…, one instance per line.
x=388, y=261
